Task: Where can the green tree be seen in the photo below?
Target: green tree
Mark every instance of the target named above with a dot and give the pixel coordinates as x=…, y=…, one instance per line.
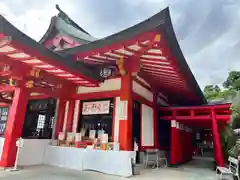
x=233, y=80
x=212, y=92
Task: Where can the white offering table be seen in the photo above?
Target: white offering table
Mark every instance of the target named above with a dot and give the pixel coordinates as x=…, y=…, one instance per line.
x=109, y=162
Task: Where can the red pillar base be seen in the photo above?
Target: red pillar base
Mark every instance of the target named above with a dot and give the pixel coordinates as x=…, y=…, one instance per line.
x=14, y=127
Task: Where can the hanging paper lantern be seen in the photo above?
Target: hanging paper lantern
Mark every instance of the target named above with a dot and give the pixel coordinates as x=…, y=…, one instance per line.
x=105, y=72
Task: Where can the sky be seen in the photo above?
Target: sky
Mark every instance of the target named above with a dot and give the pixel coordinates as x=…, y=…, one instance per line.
x=208, y=31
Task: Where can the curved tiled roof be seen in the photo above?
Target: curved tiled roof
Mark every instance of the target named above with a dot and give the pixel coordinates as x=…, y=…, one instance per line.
x=62, y=24
x=157, y=66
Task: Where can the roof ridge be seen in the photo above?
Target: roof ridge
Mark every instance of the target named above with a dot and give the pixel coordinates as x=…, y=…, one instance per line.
x=68, y=20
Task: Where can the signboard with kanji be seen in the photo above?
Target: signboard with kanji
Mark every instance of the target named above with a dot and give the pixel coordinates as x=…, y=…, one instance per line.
x=97, y=107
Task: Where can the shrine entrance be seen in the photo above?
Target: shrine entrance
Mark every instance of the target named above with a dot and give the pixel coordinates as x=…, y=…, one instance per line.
x=187, y=125
x=39, y=118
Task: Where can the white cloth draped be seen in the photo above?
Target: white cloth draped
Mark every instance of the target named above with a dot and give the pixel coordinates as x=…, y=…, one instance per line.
x=109, y=162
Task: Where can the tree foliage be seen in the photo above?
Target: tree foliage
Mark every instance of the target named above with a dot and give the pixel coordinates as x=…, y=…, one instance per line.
x=211, y=91
x=231, y=85
x=233, y=80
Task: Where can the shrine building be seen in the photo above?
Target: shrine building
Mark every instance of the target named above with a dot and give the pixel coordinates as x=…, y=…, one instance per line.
x=132, y=85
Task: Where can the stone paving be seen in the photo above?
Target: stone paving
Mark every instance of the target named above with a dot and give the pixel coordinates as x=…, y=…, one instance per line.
x=191, y=171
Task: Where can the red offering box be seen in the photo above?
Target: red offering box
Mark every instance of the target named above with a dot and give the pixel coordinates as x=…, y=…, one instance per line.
x=81, y=144
x=88, y=142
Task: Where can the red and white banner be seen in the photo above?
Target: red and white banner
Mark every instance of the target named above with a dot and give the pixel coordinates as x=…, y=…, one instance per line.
x=97, y=107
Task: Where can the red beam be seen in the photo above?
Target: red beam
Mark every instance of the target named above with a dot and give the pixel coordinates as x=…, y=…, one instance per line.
x=2, y=104
x=200, y=118
x=120, y=45
x=99, y=60
x=46, y=60
x=167, y=78
x=46, y=91
x=157, y=87
x=38, y=97
x=142, y=99
x=21, y=69
x=6, y=88
x=5, y=101
x=96, y=95
x=176, y=86
x=154, y=54
x=147, y=66
x=151, y=69
x=160, y=73
x=142, y=84
x=206, y=107
x=159, y=61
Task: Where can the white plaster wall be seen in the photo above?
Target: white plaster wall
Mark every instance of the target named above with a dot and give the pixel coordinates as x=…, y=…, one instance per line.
x=76, y=115
x=116, y=120
x=147, y=126
x=142, y=91
x=143, y=81
x=33, y=152
x=1, y=146
x=65, y=116
x=107, y=85
x=162, y=102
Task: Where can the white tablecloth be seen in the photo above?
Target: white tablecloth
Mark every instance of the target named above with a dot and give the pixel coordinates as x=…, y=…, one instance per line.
x=109, y=162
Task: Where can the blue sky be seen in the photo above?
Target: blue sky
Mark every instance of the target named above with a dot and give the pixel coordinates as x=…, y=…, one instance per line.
x=208, y=30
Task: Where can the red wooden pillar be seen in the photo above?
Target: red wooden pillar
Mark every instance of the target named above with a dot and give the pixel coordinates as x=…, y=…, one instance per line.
x=182, y=143
x=78, y=114
x=188, y=147
x=216, y=140
x=125, y=125
x=155, y=111
x=173, y=152
x=70, y=114
x=60, y=117
x=191, y=144
x=178, y=143
x=14, y=126
x=186, y=144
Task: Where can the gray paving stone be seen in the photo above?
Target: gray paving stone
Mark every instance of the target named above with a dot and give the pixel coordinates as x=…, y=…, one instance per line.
x=195, y=170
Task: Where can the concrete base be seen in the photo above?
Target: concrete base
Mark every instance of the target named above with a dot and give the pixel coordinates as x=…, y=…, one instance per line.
x=13, y=170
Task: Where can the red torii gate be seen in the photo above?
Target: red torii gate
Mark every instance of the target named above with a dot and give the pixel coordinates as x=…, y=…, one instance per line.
x=214, y=117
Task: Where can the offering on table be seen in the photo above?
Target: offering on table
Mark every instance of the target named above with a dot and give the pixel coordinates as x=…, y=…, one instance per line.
x=104, y=138
x=78, y=137
x=70, y=139
x=110, y=146
x=61, y=139
x=92, y=134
